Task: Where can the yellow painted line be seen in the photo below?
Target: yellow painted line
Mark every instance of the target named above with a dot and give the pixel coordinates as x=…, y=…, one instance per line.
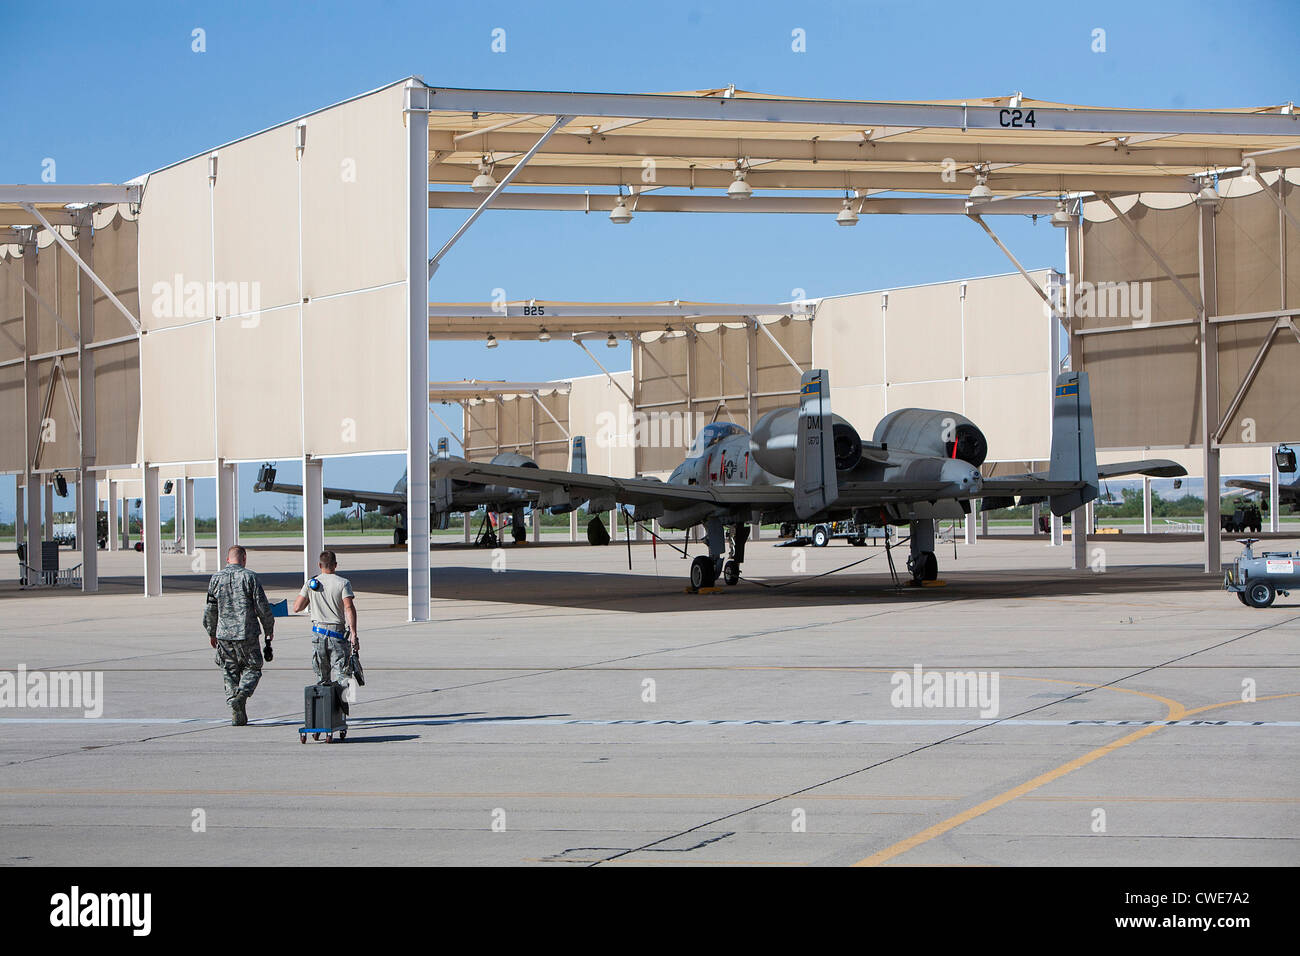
x=1176, y=712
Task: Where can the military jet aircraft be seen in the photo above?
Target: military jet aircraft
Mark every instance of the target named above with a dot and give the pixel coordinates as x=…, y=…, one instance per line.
x=807, y=464
x=1287, y=494
x=448, y=495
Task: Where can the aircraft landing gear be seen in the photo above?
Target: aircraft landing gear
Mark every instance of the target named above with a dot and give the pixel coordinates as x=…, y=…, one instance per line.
x=921, y=562
x=702, y=573
x=518, y=530
x=399, y=536
x=731, y=573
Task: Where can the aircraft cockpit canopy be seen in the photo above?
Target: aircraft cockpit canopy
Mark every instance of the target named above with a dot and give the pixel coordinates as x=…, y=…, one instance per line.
x=711, y=434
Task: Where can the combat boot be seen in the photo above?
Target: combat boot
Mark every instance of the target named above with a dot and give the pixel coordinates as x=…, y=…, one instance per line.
x=239, y=716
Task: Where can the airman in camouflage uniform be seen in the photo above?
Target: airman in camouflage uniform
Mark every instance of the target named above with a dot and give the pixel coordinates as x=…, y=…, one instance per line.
x=236, y=605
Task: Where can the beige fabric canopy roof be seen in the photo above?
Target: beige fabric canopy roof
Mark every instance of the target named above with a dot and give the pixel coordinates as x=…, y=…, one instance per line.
x=1024, y=145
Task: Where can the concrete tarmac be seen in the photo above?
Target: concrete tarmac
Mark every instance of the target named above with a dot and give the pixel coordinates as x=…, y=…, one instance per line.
x=561, y=709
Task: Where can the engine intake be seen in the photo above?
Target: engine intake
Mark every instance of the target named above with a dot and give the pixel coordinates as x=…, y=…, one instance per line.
x=775, y=437
x=931, y=432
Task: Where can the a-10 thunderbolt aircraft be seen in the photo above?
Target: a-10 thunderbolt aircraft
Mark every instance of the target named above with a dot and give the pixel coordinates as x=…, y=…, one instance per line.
x=448, y=495
x=806, y=464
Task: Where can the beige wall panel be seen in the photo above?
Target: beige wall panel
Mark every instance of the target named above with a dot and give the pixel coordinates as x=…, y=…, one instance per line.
x=848, y=340
x=1144, y=386
x=116, y=262
x=596, y=408
x=176, y=390
x=708, y=381
x=175, y=241
x=1273, y=403
x=258, y=413
x=1007, y=329
x=943, y=396
x=997, y=406
x=64, y=450
x=255, y=223
x=354, y=355
x=1249, y=264
x=11, y=308
x=513, y=430
x=665, y=381
x=354, y=201
x=13, y=427
x=863, y=406
x=56, y=281
x=117, y=403
x=1110, y=253
x=558, y=406
x=923, y=333
x=553, y=456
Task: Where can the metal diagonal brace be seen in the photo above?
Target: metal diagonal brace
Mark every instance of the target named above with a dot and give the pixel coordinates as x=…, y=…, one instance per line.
x=48, y=308
x=1196, y=303
x=1042, y=294
x=487, y=200
x=542, y=406
x=1277, y=200
x=645, y=353
x=434, y=413
x=81, y=264
x=1251, y=373
x=764, y=329
x=606, y=371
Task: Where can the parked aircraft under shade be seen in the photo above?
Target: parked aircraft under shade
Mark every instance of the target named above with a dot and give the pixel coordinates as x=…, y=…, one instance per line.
x=806, y=464
x=450, y=495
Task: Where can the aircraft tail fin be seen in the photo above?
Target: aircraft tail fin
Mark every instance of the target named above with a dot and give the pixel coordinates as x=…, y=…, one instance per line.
x=815, y=483
x=1074, y=446
x=578, y=461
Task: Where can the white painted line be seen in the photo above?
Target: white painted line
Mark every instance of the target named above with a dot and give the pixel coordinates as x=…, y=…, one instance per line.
x=373, y=722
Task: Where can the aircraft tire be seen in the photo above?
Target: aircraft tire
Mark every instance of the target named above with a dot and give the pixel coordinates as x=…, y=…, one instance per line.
x=399, y=536
x=702, y=573
x=1260, y=594
x=731, y=573
x=519, y=533
x=929, y=566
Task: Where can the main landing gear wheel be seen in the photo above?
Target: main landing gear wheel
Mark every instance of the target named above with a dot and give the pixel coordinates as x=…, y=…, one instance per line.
x=820, y=537
x=519, y=533
x=399, y=536
x=731, y=572
x=1260, y=594
x=702, y=573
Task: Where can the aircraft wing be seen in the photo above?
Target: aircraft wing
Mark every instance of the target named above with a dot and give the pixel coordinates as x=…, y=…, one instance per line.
x=629, y=491
x=1248, y=484
x=347, y=496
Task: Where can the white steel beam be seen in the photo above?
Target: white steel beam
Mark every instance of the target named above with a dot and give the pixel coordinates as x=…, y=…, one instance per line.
x=859, y=114
x=1209, y=358
x=190, y=543
x=816, y=205
x=779, y=348
x=419, y=268
x=151, y=532
x=61, y=194
x=313, y=514
x=606, y=371
x=1042, y=293
x=31, y=395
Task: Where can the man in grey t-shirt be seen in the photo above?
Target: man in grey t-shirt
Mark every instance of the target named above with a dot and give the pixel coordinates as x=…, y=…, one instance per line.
x=333, y=621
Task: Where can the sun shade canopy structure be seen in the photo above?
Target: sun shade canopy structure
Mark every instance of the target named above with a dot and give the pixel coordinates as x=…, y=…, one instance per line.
x=677, y=144
x=597, y=320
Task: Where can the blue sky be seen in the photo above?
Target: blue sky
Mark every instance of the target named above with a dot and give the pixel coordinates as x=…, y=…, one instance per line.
x=111, y=91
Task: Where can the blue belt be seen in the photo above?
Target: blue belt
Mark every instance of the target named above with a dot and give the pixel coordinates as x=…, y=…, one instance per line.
x=318, y=629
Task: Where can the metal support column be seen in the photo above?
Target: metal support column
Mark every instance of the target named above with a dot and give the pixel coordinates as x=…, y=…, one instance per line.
x=970, y=527
x=1146, y=506
x=31, y=398
x=573, y=527
x=19, y=513
x=1274, y=503
x=151, y=532
x=1074, y=275
x=1033, y=520
x=87, y=494
x=188, y=497
x=226, y=504
x=1209, y=343
x=111, y=504
x=126, y=524
x=313, y=514
x=419, y=269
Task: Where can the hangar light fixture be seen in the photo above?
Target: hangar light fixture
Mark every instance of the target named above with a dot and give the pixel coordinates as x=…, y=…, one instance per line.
x=483, y=182
x=620, y=214
x=611, y=342
x=739, y=189
x=1062, y=218
x=980, y=192
x=491, y=341
x=543, y=335
x=846, y=216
